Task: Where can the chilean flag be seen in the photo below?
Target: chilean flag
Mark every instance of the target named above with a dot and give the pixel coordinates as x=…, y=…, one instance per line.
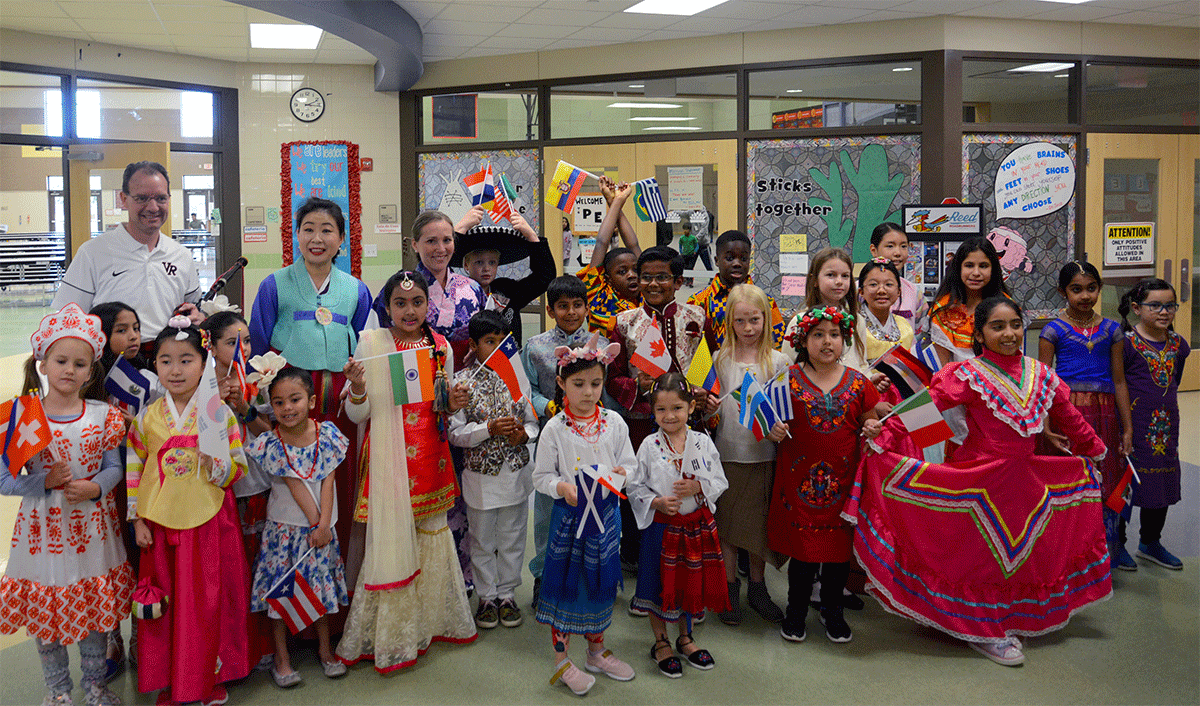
x=505, y=362
x=26, y=431
x=295, y=600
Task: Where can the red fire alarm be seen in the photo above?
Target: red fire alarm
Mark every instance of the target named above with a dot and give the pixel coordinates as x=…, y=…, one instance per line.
x=366, y=164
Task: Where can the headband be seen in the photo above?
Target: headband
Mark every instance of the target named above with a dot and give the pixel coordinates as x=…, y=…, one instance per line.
x=68, y=322
x=590, y=351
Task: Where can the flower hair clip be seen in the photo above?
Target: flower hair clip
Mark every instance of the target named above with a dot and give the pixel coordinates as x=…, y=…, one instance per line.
x=205, y=339
x=880, y=260
x=218, y=304
x=590, y=351
x=180, y=323
x=266, y=367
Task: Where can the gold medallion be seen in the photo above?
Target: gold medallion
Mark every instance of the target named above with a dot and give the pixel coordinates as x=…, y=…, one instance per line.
x=324, y=316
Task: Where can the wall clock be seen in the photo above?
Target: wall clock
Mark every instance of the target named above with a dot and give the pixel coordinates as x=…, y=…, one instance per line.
x=308, y=105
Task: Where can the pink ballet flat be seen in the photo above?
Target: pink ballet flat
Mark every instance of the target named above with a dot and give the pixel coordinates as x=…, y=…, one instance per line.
x=607, y=663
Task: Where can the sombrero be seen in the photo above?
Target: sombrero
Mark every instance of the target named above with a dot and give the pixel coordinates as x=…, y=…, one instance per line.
x=512, y=246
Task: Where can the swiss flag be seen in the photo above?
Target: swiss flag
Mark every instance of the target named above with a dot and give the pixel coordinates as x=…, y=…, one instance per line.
x=651, y=355
x=26, y=431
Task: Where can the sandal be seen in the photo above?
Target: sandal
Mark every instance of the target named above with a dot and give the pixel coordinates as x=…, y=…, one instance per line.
x=700, y=659
x=670, y=666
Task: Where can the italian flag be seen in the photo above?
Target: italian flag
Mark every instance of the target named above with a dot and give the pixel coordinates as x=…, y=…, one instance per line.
x=923, y=419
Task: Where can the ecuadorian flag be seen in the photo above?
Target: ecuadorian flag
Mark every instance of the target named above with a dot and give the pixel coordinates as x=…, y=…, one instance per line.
x=565, y=185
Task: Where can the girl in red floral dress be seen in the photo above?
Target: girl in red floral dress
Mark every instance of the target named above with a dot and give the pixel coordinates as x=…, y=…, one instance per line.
x=68, y=580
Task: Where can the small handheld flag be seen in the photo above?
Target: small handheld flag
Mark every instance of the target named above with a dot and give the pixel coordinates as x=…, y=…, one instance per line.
x=210, y=418
x=127, y=385
x=647, y=200
x=412, y=376
x=26, y=431
x=651, y=356
x=756, y=414
x=928, y=356
x=479, y=185
x=295, y=600
x=923, y=419
x=779, y=395
x=565, y=185
x=702, y=372
x=506, y=199
x=588, y=482
x=907, y=372
x=507, y=364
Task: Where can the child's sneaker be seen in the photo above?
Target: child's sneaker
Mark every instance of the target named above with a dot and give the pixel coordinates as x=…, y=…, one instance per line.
x=1119, y=559
x=100, y=696
x=510, y=614
x=575, y=680
x=793, y=631
x=1007, y=653
x=1156, y=553
x=487, y=617
x=62, y=698
x=607, y=662
x=836, y=628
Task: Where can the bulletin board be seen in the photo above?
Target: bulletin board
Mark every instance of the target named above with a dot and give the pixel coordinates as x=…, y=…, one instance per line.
x=441, y=187
x=329, y=170
x=807, y=194
x=1034, y=227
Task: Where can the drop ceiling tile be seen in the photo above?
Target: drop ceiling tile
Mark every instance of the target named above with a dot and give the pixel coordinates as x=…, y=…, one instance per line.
x=637, y=20
x=1008, y=9
x=209, y=29
x=38, y=25
x=193, y=41
x=571, y=43
x=887, y=15
x=1153, y=5
x=189, y=12
x=712, y=25
x=436, y=41
x=114, y=25
x=97, y=10
x=578, y=18
x=30, y=9
x=480, y=27
x=549, y=31
x=1142, y=17
x=611, y=35
x=942, y=7
x=516, y=44
x=1183, y=21
x=470, y=12
x=143, y=40
x=751, y=10
x=1077, y=13
x=868, y=4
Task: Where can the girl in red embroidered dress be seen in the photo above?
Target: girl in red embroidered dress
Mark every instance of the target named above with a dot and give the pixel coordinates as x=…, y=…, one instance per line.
x=68, y=580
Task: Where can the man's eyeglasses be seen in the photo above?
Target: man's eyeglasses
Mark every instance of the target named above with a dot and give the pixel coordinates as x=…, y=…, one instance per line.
x=143, y=200
x=1159, y=307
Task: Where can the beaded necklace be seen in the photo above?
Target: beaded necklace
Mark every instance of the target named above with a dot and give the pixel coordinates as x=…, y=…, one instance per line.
x=288, y=457
x=881, y=331
x=588, y=428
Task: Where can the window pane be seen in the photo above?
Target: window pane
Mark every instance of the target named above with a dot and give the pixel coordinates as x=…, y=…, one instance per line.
x=688, y=104
x=30, y=104
x=1131, y=195
x=836, y=96
x=1026, y=91
x=480, y=117
x=1142, y=95
x=127, y=112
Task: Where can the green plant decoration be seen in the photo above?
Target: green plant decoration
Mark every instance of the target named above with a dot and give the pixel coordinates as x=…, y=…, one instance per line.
x=875, y=190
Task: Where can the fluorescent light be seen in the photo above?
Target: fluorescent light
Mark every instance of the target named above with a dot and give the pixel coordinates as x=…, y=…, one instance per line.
x=902, y=68
x=671, y=127
x=795, y=90
x=1047, y=67
x=686, y=8
x=663, y=119
x=644, y=105
x=265, y=36
x=637, y=85
x=1068, y=2
x=1062, y=75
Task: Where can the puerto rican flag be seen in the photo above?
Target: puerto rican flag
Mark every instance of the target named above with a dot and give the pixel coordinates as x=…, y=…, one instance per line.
x=26, y=431
x=295, y=600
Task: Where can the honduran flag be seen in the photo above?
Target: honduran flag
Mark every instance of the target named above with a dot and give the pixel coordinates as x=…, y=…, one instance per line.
x=505, y=362
x=923, y=419
x=647, y=200
x=479, y=184
x=506, y=199
x=907, y=372
x=565, y=185
x=412, y=375
x=756, y=414
x=127, y=385
x=702, y=372
x=26, y=431
x=295, y=600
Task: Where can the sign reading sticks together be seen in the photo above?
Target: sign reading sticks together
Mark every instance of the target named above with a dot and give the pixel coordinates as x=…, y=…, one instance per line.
x=1034, y=180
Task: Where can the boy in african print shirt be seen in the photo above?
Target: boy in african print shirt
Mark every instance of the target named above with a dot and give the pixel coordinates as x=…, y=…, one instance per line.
x=611, y=277
x=498, y=477
x=733, y=268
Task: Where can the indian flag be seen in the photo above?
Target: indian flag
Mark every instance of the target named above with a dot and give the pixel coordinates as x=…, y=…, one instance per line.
x=923, y=419
x=412, y=376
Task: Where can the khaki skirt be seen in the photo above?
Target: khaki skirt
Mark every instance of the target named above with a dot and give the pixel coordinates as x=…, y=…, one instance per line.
x=742, y=509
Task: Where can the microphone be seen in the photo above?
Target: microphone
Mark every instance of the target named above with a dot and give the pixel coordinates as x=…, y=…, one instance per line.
x=223, y=280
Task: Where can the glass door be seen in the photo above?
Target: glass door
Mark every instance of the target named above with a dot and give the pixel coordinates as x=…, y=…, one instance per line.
x=1142, y=198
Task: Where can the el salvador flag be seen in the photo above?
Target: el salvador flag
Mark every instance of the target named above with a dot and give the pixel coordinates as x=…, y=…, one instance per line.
x=128, y=385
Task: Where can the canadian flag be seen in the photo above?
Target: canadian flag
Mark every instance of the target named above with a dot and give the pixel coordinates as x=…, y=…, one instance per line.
x=651, y=356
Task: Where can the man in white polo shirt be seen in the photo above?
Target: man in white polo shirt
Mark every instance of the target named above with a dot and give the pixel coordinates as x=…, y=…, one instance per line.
x=135, y=263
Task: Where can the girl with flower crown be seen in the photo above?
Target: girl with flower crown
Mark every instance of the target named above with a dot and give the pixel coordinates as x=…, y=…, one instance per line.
x=583, y=566
x=815, y=469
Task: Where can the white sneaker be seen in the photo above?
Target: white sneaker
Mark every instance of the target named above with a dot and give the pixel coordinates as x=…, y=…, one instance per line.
x=1007, y=653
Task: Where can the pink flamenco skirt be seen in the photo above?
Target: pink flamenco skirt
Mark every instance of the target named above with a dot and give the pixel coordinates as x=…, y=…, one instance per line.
x=1099, y=410
x=200, y=640
x=986, y=551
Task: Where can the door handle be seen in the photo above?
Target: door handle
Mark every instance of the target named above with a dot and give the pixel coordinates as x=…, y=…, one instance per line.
x=1185, y=280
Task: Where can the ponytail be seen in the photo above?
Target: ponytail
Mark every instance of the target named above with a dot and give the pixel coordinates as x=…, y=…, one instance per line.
x=1137, y=295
